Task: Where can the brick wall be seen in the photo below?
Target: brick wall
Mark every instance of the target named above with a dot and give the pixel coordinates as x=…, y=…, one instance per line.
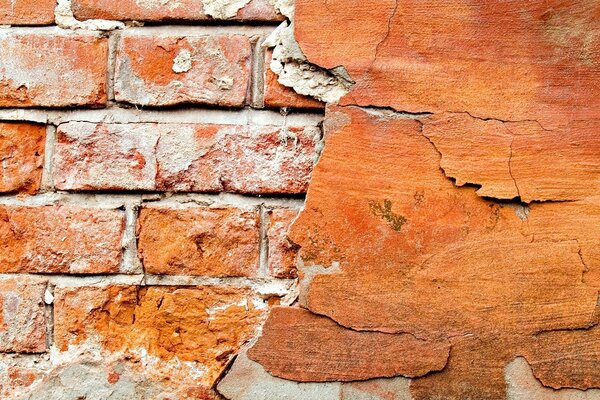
x=148, y=180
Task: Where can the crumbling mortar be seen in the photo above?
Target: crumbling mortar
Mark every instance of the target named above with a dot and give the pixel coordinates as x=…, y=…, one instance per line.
x=47, y=181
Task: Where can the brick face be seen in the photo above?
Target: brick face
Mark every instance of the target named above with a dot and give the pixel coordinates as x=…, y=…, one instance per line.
x=22, y=154
x=199, y=241
x=195, y=324
x=27, y=12
x=184, y=157
x=76, y=74
x=22, y=319
x=193, y=10
x=165, y=69
x=60, y=239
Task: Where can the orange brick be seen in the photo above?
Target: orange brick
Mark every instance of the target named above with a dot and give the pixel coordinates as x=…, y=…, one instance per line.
x=282, y=252
x=277, y=95
x=22, y=320
x=195, y=324
x=191, y=10
x=199, y=241
x=22, y=154
x=185, y=157
x=52, y=68
x=60, y=239
x=27, y=12
x=159, y=69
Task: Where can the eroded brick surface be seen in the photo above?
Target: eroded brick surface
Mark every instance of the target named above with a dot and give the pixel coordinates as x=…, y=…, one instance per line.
x=27, y=12
x=185, y=157
x=60, y=239
x=22, y=154
x=22, y=319
x=195, y=10
x=75, y=76
x=167, y=69
x=199, y=241
x=200, y=325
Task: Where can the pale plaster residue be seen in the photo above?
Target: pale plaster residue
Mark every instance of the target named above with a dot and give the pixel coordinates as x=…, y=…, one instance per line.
x=64, y=17
x=223, y=9
x=182, y=62
x=521, y=384
x=294, y=70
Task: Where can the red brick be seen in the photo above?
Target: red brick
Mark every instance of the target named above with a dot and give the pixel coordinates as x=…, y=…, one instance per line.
x=200, y=325
x=22, y=154
x=282, y=252
x=277, y=95
x=22, y=319
x=199, y=241
x=191, y=10
x=52, y=68
x=60, y=239
x=211, y=69
x=27, y=12
x=184, y=157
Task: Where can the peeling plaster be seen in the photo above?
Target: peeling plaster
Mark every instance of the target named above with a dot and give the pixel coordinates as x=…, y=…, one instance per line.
x=223, y=9
x=293, y=69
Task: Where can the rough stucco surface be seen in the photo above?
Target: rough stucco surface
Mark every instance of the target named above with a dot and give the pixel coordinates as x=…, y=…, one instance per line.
x=456, y=200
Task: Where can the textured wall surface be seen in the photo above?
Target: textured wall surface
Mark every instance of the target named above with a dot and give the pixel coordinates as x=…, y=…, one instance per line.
x=326, y=200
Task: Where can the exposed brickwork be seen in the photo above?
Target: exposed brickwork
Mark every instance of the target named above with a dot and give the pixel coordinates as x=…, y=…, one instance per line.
x=183, y=10
x=155, y=69
x=22, y=319
x=27, y=12
x=202, y=326
x=147, y=183
x=184, y=157
x=60, y=239
x=22, y=154
x=76, y=74
x=199, y=241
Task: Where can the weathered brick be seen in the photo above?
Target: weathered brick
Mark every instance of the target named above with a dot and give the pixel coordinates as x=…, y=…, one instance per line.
x=52, y=68
x=184, y=157
x=22, y=154
x=277, y=95
x=282, y=252
x=201, y=325
x=191, y=10
x=27, y=12
x=22, y=319
x=158, y=69
x=199, y=241
x=60, y=239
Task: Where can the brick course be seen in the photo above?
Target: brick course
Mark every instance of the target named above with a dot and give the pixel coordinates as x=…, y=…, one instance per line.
x=146, y=190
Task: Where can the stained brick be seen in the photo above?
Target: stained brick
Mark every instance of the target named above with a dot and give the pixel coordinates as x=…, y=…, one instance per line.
x=27, y=12
x=22, y=319
x=60, y=239
x=282, y=252
x=184, y=157
x=277, y=95
x=192, y=10
x=159, y=69
x=52, y=68
x=200, y=325
x=22, y=154
x=199, y=241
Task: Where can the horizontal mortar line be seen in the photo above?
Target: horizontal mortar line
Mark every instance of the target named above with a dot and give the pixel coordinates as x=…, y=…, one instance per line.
x=262, y=285
x=186, y=29
x=119, y=199
x=191, y=115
